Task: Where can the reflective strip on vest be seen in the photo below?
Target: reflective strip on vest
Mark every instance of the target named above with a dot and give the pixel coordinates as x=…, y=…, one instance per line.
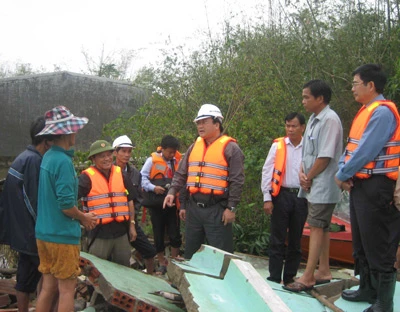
x=159, y=169
x=392, y=157
x=213, y=176
x=279, y=166
x=208, y=170
x=159, y=166
x=107, y=199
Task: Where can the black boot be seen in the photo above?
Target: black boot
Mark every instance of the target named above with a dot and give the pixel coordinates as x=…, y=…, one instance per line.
x=365, y=292
x=386, y=287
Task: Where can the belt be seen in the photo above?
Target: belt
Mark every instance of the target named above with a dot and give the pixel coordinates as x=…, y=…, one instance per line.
x=204, y=202
x=290, y=189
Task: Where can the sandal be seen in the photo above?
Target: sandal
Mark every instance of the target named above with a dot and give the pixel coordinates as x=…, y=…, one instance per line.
x=161, y=270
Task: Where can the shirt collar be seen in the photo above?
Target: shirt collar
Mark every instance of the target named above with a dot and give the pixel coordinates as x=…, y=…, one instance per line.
x=70, y=152
x=380, y=97
x=33, y=149
x=322, y=113
x=288, y=142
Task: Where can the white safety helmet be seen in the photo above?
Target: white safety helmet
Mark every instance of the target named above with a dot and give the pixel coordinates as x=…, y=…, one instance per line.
x=122, y=141
x=207, y=111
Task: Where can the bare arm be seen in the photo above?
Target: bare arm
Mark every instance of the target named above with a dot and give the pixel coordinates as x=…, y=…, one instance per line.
x=319, y=165
x=132, y=228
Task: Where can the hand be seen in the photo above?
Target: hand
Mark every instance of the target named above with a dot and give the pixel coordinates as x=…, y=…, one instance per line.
x=397, y=263
x=159, y=190
x=228, y=216
x=268, y=207
x=132, y=232
x=182, y=214
x=169, y=201
x=344, y=185
x=305, y=183
x=89, y=220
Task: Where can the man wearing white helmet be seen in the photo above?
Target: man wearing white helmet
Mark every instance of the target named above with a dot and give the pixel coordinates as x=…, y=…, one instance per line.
x=212, y=170
x=122, y=151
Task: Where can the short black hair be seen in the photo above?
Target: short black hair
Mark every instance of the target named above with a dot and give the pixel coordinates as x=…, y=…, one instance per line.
x=169, y=141
x=299, y=116
x=119, y=147
x=372, y=72
x=319, y=88
x=218, y=120
x=36, y=126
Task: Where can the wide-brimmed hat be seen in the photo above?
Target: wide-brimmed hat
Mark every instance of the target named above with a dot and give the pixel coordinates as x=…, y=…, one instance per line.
x=98, y=147
x=59, y=120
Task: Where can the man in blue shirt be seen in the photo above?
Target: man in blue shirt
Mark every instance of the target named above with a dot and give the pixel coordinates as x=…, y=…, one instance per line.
x=157, y=173
x=368, y=169
x=19, y=204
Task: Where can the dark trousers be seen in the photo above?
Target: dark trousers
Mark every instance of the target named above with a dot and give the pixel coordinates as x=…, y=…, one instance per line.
x=162, y=219
x=375, y=222
x=288, y=218
x=142, y=244
x=205, y=224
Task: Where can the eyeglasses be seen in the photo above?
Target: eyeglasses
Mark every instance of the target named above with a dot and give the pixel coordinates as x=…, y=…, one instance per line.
x=357, y=83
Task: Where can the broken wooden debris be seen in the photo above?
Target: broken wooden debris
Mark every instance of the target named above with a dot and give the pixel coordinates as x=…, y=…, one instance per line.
x=7, y=286
x=201, y=263
x=214, y=280
x=4, y=300
x=127, y=289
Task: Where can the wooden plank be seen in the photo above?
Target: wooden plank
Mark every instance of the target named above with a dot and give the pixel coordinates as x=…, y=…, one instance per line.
x=201, y=264
x=214, y=280
x=236, y=292
x=273, y=301
x=128, y=289
x=7, y=286
x=6, y=271
x=4, y=300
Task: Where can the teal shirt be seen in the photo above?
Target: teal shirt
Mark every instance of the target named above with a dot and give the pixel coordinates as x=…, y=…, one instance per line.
x=58, y=190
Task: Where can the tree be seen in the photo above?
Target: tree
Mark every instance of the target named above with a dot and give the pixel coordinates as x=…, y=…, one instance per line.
x=113, y=65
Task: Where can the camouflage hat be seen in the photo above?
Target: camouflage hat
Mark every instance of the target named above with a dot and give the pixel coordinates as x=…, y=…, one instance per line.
x=98, y=147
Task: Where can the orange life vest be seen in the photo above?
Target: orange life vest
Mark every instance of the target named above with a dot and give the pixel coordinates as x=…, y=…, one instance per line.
x=392, y=155
x=279, y=166
x=208, y=170
x=159, y=170
x=107, y=199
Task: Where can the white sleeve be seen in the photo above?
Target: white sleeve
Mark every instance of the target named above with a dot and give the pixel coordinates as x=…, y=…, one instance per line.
x=267, y=171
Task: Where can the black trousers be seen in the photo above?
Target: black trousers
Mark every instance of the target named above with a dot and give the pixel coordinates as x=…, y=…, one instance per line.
x=142, y=244
x=375, y=222
x=204, y=224
x=287, y=221
x=168, y=219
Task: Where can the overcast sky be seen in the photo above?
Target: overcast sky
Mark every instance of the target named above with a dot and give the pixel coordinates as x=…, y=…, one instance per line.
x=52, y=32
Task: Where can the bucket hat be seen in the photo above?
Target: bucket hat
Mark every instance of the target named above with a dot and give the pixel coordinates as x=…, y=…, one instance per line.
x=98, y=147
x=59, y=120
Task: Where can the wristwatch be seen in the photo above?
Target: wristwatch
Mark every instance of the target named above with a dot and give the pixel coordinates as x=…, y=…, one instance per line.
x=232, y=209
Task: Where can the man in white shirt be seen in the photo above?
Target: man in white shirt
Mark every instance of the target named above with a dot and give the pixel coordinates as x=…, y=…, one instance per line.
x=280, y=185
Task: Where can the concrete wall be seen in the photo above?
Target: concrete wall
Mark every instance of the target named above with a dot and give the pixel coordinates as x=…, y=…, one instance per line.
x=24, y=98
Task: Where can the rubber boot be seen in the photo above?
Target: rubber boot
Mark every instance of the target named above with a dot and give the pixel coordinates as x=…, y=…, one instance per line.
x=366, y=291
x=386, y=287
